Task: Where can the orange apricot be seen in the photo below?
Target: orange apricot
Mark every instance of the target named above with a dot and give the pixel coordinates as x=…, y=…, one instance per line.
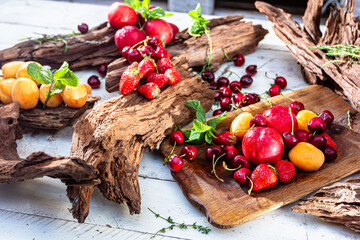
x=240, y=124
x=9, y=69
x=75, y=97
x=25, y=93
x=88, y=88
x=54, y=101
x=303, y=117
x=5, y=90
x=22, y=71
x=306, y=157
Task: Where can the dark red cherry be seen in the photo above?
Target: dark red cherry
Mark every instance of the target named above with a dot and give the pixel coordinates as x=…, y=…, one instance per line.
x=223, y=82
x=94, y=82
x=241, y=176
x=239, y=161
x=274, y=90
x=246, y=81
x=281, y=81
x=176, y=136
x=318, y=141
x=176, y=163
x=133, y=55
x=231, y=152
x=255, y=96
x=154, y=42
x=213, y=85
x=235, y=86
x=330, y=153
x=189, y=152
x=317, y=125
x=238, y=99
x=290, y=140
x=208, y=76
x=146, y=50
x=303, y=135
x=239, y=60
x=83, y=28
x=328, y=117
x=217, y=96
x=102, y=69
x=250, y=98
x=217, y=112
x=125, y=51
x=213, y=151
x=225, y=104
x=296, y=107
x=251, y=70
x=140, y=20
x=225, y=92
x=258, y=120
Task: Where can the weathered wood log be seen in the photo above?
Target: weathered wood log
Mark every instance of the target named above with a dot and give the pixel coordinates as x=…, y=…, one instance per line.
x=339, y=203
x=228, y=34
x=341, y=28
x=84, y=51
x=115, y=134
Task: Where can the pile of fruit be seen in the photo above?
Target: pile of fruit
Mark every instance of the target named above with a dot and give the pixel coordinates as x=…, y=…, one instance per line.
x=267, y=147
x=17, y=85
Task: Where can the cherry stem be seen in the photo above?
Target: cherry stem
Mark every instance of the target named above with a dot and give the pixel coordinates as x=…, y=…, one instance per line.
x=214, y=165
x=292, y=122
x=232, y=169
x=167, y=158
x=209, y=56
x=313, y=134
x=252, y=185
x=227, y=57
x=245, y=130
x=265, y=63
x=286, y=97
x=231, y=72
x=349, y=120
x=236, y=107
x=269, y=101
x=137, y=44
x=268, y=76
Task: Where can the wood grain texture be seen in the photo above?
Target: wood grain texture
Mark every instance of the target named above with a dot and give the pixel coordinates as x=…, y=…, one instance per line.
x=226, y=204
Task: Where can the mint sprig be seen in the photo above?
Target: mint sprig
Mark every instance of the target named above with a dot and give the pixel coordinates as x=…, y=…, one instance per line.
x=143, y=9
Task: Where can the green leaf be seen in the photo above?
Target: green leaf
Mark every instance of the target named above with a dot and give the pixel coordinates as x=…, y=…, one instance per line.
x=198, y=9
x=193, y=15
x=66, y=76
x=134, y=4
x=215, y=121
x=208, y=137
x=156, y=13
x=42, y=75
x=146, y=4
x=58, y=87
x=196, y=137
x=186, y=133
x=200, y=113
x=168, y=14
x=193, y=104
x=200, y=127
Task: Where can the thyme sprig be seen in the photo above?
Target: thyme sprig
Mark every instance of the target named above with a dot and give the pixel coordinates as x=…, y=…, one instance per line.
x=173, y=224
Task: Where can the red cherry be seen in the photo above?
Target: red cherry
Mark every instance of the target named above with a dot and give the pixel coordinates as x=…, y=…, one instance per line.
x=94, y=81
x=176, y=136
x=83, y=28
x=102, y=69
x=303, y=135
x=231, y=152
x=217, y=96
x=160, y=52
x=235, y=86
x=225, y=104
x=146, y=50
x=239, y=60
x=249, y=99
x=225, y=92
x=217, y=112
x=208, y=76
x=329, y=153
x=125, y=51
x=290, y=140
x=238, y=161
x=318, y=141
x=213, y=151
x=274, y=90
x=255, y=96
x=258, y=120
x=281, y=81
x=189, y=152
x=241, y=176
x=133, y=55
x=154, y=42
x=223, y=82
x=327, y=116
x=246, y=81
x=238, y=99
x=176, y=163
x=317, y=124
x=251, y=70
x=213, y=85
x=296, y=107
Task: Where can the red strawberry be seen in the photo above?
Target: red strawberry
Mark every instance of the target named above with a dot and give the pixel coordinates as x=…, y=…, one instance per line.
x=129, y=80
x=173, y=75
x=158, y=78
x=224, y=138
x=146, y=66
x=285, y=170
x=132, y=66
x=149, y=90
x=263, y=177
x=164, y=64
x=329, y=141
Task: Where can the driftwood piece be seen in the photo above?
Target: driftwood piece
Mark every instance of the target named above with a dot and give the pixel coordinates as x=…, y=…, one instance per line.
x=84, y=51
x=228, y=34
x=115, y=134
x=339, y=203
x=341, y=28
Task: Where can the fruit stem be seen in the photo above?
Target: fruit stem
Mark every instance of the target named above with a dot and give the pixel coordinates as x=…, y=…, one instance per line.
x=209, y=56
x=269, y=101
x=268, y=76
x=286, y=97
x=227, y=57
x=214, y=165
x=237, y=107
x=231, y=72
x=292, y=122
x=137, y=44
x=265, y=63
x=252, y=185
x=49, y=93
x=245, y=130
x=232, y=169
x=349, y=120
x=274, y=169
x=167, y=158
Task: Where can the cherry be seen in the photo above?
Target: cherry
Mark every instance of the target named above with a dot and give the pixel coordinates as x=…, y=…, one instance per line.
x=296, y=107
x=133, y=55
x=235, y=86
x=290, y=140
x=125, y=51
x=217, y=112
x=318, y=141
x=239, y=60
x=217, y=96
x=102, y=69
x=327, y=116
x=258, y=120
x=225, y=92
x=213, y=151
x=213, y=85
x=317, y=124
x=223, y=82
x=154, y=42
x=251, y=70
x=159, y=53
x=241, y=176
x=238, y=98
x=83, y=28
x=146, y=50
x=176, y=136
x=281, y=81
x=246, y=81
x=208, y=76
x=94, y=81
x=255, y=96
x=274, y=90
x=249, y=99
x=176, y=163
x=330, y=153
x=231, y=152
x=303, y=135
x=225, y=104
x=189, y=152
x=238, y=161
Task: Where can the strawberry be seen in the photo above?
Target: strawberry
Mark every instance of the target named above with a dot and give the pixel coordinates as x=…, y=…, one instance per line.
x=285, y=170
x=129, y=80
x=173, y=75
x=158, y=78
x=149, y=90
x=164, y=64
x=133, y=65
x=263, y=177
x=146, y=66
x=224, y=138
x=329, y=141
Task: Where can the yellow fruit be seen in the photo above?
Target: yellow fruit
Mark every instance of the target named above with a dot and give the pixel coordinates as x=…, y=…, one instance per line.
x=88, y=88
x=306, y=157
x=303, y=117
x=75, y=97
x=22, y=72
x=9, y=69
x=6, y=89
x=1, y=78
x=240, y=124
x=54, y=101
x=25, y=93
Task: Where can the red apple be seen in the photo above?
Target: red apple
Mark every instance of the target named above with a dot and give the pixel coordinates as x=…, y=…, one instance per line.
x=128, y=36
x=174, y=28
x=121, y=15
x=263, y=145
x=159, y=28
x=278, y=117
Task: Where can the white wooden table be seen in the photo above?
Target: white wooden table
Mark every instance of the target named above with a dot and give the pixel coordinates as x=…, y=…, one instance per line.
x=38, y=209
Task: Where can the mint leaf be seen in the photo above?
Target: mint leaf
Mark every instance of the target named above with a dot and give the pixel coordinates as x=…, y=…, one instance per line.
x=146, y=4
x=58, y=87
x=200, y=127
x=196, y=137
x=208, y=137
x=198, y=26
x=198, y=9
x=193, y=104
x=200, y=113
x=66, y=76
x=134, y=4
x=215, y=121
x=193, y=14
x=41, y=74
x=157, y=12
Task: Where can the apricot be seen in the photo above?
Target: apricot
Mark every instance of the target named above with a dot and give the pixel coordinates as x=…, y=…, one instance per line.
x=306, y=157
x=88, y=88
x=75, y=97
x=9, y=69
x=240, y=124
x=22, y=71
x=25, y=93
x=54, y=101
x=303, y=117
x=5, y=90
x=1, y=78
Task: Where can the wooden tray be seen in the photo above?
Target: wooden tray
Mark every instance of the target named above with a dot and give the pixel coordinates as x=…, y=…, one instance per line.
x=226, y=204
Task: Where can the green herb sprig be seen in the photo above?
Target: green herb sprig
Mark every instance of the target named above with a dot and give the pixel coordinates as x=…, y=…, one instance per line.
x=61, y=78
x=204, y=230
